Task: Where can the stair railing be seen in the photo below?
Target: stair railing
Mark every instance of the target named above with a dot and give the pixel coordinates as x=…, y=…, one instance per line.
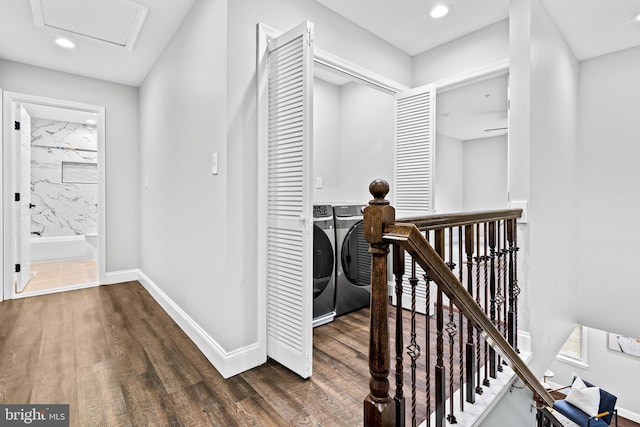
x=486, y=308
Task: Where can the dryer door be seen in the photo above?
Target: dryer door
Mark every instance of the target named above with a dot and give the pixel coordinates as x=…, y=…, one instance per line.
x=322, y=261
x=356, y=259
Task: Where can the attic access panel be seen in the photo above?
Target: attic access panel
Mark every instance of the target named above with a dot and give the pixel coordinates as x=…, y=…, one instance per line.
x=117, y=22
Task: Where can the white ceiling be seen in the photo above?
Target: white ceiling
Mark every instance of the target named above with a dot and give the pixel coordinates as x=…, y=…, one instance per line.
x=406, y=24
x=591, y=27
x=596, y=27
x=477, y=110
x=22, y=40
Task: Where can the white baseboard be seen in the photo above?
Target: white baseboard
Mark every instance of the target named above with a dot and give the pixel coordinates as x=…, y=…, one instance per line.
x=228, y=363
x=120, y=276
x=633, y=416
x=55, y=290
x=524, y=341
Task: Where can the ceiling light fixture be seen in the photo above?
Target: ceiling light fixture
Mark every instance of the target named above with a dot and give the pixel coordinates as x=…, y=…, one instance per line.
x=636, y=17
x=439, y=11
x=66, y=43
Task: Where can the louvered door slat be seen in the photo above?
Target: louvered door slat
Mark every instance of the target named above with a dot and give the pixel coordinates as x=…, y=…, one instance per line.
x=289, y=250
x=415, y=132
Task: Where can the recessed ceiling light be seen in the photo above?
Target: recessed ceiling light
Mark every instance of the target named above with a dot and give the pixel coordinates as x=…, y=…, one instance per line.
x=636, y=17
x=66, y=43
x=90, y=121
x=439, y=11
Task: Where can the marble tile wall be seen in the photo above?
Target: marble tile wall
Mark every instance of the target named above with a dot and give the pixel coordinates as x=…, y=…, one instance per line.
x=63, y=208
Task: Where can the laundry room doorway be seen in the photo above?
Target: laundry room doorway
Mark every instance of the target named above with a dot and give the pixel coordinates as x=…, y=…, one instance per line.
x=286, y=182
x=55, y=223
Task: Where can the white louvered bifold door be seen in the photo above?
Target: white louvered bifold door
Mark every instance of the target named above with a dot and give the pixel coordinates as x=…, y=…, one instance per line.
x=289, y=238
x=414, y=167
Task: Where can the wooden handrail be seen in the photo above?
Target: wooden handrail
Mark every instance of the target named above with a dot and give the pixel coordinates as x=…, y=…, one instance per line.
x=409, y=237
x=449, y=220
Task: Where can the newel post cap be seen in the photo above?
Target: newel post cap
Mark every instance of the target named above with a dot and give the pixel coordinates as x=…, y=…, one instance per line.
x=379, y=188
x=378, y=213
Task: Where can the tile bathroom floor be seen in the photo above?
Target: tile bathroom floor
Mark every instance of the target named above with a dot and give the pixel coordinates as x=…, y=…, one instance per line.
x=51, y=275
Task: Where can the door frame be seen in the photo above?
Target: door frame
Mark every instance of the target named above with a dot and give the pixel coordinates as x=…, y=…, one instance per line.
x=8, y=209
x=320, y=57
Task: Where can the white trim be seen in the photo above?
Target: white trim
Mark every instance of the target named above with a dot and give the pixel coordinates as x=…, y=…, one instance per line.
x=475, y=75
x=633, y=416
x=262, y=185
x=121, y=276
x=54, y=290
x=524, y=341
x=571, y=361
x=329, y=60
x=10, y=99
x=582, y=361
x=228, y=363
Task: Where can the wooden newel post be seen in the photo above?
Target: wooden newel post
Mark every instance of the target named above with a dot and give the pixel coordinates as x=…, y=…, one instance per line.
x=379, y=407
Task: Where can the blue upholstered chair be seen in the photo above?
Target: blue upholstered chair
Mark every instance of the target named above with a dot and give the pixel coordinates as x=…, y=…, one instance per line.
x=606, y=410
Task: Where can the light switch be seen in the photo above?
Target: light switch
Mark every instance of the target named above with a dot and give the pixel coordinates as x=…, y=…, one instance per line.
x=318, y=182
x=214, y=164
x=146, y=181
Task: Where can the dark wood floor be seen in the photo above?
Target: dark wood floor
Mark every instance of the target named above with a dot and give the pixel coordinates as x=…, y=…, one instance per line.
x=117, y=358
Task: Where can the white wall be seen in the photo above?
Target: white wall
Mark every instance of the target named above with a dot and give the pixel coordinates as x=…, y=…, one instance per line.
x=613, y=371
x=449, y=174
x=326, y=140
x=183, y=211
x=366, y=141
x=504, y=414
x=608, y=204
x=485, y=174
x=353, y=140
x=475, y=50
x=543, y=135
x=121, y=146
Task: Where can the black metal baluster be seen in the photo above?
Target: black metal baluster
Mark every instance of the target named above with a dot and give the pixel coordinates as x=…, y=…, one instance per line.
x=413, y=350
x=398, y=271
x=485, y=258
x=440, y=369
x=492, y=290
x=470, y=371
x=460, y=321
x=428, y=342
x=511, y=324
x=516, y=288
x=499, y=295
x=479, y=302
x=451, y=329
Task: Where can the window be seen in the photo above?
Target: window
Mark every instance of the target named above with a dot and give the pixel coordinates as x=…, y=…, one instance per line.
x=574, y=350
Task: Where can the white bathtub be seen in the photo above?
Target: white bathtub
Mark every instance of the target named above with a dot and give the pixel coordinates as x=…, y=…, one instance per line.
x=59, y=248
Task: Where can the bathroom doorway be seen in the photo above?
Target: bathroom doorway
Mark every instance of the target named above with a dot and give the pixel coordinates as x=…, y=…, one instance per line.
x=57, y=175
